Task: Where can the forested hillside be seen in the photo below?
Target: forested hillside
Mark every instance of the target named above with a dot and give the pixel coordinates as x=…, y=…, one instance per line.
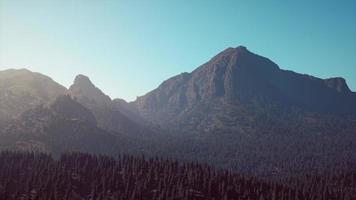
x=73, y=176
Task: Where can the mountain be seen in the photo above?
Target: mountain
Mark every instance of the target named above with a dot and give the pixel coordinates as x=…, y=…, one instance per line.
x=38, y=114
x=22, y=89
x=241, y=111
x=237, y=79
x=111, y=115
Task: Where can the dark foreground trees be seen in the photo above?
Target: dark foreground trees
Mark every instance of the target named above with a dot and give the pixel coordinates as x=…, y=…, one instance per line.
x=30, y=176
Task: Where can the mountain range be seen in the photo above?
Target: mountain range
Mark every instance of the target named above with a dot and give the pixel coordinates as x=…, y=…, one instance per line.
x=239, y=110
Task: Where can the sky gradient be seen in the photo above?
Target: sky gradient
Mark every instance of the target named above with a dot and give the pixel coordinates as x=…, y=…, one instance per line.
x=128, y=48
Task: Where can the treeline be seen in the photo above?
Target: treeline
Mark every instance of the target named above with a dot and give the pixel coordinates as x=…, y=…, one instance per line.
x=36, y=176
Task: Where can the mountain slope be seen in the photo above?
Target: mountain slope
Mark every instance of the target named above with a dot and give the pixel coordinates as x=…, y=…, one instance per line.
x=65, y=125
x=22, y=89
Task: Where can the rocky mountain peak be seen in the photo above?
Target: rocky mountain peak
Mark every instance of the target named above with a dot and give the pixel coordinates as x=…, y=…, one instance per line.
x=84, y=89
x=82, y=80
x=233, y=72
x=230, y=53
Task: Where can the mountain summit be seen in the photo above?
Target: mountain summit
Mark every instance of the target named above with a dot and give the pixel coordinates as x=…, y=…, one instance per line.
x=84, y=90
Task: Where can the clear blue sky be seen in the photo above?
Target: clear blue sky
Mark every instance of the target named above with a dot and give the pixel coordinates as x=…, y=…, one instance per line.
x=128, y=48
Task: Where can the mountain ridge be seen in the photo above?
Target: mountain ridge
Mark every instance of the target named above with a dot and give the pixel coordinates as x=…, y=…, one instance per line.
x=239, y=111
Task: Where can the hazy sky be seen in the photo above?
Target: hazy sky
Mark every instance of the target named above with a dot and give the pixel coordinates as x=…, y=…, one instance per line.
x=128, y=48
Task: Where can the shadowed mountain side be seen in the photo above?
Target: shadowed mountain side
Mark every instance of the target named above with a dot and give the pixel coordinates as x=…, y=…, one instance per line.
x=65, y=125
x=130, y=112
